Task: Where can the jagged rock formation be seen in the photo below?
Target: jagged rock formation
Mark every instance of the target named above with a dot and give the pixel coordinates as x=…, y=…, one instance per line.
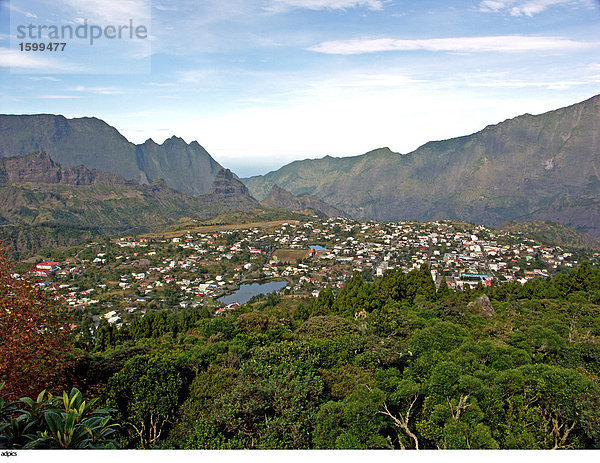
x=283, y=199
x=38, y=167
x=44, y=204
x=230, y=192
x=93, y=143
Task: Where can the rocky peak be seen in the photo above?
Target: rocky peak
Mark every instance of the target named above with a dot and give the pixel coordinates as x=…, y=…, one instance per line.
x=278, y=194
x=150, y=142
x=227, y=189
x=174, y=140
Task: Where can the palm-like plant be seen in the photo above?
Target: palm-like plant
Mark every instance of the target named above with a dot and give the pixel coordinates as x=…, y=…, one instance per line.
x=74, y=423
x=67, y=422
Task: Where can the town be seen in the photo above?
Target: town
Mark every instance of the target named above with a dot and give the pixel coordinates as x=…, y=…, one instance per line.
x=117, y=279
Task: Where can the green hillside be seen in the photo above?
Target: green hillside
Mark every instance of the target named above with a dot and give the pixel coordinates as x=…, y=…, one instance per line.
x=44, y=204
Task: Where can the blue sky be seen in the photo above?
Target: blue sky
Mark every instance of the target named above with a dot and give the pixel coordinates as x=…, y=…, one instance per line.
x=260, y=83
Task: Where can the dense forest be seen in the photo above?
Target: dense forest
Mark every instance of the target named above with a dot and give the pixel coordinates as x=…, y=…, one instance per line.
x=390, y=363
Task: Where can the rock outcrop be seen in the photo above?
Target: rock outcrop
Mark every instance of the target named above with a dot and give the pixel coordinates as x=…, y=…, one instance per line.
x=482, y=306
x=38, y=167
x=228, y=191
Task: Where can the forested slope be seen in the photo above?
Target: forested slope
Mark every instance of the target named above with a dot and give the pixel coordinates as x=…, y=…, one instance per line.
x=389, y=364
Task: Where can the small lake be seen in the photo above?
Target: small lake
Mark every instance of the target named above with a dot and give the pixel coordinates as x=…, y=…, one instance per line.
x=249, y=290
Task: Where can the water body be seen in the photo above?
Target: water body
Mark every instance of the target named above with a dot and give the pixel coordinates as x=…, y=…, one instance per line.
x=316, y=247
x=249, y=290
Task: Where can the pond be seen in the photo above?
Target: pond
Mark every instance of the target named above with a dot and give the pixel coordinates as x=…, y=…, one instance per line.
x=249, y=290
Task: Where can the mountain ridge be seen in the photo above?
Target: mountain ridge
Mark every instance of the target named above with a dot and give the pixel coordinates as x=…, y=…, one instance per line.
x=91, y=142
x=505, y=171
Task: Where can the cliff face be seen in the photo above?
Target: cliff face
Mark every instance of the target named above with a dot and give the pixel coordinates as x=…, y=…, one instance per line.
x=185, y=167
x=283, y=199
x=38, y=167
x=93, y=143
x=230, y=192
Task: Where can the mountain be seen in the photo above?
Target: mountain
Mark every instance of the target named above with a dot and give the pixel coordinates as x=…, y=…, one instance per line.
x=93, y=143
x=544, y=167
x=282, y=199
x=230, y=193
x=45, y=204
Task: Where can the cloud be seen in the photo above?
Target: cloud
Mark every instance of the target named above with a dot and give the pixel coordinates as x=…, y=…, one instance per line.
x=110, y=11
x=570, y=78
x=380, y=80
x=528, y=7
x=161, y=84
x=51, y=79
x=506, y=43
x=56, y=97
x=284, y=5
x=196, y=76
x=99, y=90
x=40, y=97
x=21, y=62
x=163, y=7
x=493, y=6
x=550, y=85
x=27, y=14
x=594, y=70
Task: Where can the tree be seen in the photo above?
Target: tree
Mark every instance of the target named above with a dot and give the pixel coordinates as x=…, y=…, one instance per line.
x=443, y=290
x=35, y=338
x=352, y=423
x=353, y=296
x=392, y=286
x=274, y=402
x=197, y=427
x=420, y=283
x=147, y=392
x=561, y=405
x=106, y=335
x=404, y=397
x=172, y=295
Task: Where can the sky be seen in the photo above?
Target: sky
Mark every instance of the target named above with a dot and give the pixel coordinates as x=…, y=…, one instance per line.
x=261, y=83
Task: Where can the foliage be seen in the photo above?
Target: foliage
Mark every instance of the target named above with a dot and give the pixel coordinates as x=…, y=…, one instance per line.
x=147, y=392
x=392, y=363
x=35, y=342
x=48, y=422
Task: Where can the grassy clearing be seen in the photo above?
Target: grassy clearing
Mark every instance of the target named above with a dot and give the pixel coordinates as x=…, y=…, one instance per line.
x=290, y=255
x=217, y=228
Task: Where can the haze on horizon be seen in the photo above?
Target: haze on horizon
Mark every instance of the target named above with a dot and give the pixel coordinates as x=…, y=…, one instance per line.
x=260, y=83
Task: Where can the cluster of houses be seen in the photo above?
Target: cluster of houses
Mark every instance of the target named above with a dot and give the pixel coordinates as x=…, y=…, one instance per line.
x=196, y=268
x=463, y=254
